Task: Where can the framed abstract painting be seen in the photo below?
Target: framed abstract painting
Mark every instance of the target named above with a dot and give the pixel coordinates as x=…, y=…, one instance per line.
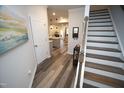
x=13, y=30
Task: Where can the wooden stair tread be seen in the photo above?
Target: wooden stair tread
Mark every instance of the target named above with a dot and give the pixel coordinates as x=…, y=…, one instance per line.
x=100, y=22
x=99, y=10
x=105, y=80
x=114, y=59
x=102, y=30
x=104, y=49
x=100, y=26
x=88, y=86
x=105, y=68
x=92, y=13
x=100, y=15
x=102, y=42
x=99, y=18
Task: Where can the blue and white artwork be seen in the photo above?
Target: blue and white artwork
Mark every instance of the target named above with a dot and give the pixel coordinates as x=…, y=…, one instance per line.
x=13, y=31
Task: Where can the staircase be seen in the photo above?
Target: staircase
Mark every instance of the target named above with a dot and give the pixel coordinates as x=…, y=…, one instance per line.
x=103, y=67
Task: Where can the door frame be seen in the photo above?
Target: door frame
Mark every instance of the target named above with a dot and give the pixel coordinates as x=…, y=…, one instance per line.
x=29, y=18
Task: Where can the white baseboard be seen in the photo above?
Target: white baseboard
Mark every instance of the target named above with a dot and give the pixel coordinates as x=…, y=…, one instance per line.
x=33, y=75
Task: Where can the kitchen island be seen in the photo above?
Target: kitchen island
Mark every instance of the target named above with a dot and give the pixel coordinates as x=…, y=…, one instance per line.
x=57, y=42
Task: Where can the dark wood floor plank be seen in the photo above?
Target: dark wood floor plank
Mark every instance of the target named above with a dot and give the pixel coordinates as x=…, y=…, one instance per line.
x=43, y=67
x=71, y=77
x=63, y=77
x=53, y=66
x=49, y=72
x=57, y=80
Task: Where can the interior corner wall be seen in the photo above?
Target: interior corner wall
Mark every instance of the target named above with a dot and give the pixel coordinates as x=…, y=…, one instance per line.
x=118, y=18
x=18, y=66
x=75, y=20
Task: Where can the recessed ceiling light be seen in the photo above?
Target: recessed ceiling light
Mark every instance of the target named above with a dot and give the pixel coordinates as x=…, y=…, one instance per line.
x=54, y=13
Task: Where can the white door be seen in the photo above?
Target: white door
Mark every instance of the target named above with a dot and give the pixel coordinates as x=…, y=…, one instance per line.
x=40, y=39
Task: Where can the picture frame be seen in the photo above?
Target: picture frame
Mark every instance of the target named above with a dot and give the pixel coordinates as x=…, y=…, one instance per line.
x=75, y=32
x=13, y=29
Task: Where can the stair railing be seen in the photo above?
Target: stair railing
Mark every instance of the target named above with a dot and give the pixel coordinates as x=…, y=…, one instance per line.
x=81, y=62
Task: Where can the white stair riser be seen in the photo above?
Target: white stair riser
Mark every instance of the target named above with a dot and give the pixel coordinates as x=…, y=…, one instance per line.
x=105, y=53
x=100, y=28
x=103, y=20
x=102, y=33
x=115, y=46
x=99, y=17
x=99, y=14
x=111, y=39
x=100, y=24
x=104, y=62
x=105, y=73
x=97, y=84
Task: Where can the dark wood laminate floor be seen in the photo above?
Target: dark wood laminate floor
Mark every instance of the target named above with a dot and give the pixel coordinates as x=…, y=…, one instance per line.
x=56, y=72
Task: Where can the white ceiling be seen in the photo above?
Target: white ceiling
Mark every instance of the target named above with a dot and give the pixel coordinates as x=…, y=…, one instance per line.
x=61, y=10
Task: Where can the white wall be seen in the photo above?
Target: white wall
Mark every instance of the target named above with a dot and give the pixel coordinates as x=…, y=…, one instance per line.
x=16, y=63
x=75, y=20
x=118, y=18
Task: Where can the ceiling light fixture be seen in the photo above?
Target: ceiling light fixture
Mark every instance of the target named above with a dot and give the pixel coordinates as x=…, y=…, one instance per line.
x=54, y=13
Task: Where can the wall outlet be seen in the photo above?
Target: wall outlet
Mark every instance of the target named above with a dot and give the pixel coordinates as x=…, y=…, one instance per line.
x=29, y=72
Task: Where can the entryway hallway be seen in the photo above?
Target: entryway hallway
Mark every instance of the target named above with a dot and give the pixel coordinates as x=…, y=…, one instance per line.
x=57, y=71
